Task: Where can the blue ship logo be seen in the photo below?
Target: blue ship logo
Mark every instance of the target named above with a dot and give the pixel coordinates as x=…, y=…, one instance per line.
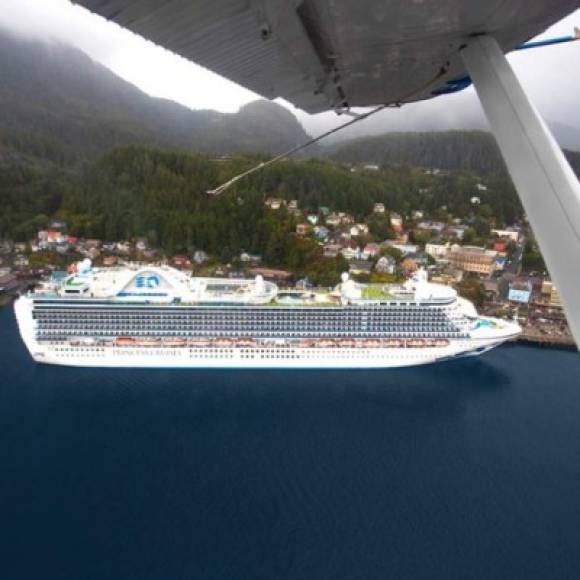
x=147, y=281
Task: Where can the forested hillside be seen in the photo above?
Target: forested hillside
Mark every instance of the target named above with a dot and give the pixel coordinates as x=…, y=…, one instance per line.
x=160, y=194
x=474, y=151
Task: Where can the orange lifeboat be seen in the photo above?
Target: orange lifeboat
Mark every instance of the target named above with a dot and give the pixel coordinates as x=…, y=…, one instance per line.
x=371, y=342
x=124, y=341
x=148, y=342
x=441, y=342
x=174, y=341
x=223, y=342
x=199, y=342
x=246, y=342
x=347, y=342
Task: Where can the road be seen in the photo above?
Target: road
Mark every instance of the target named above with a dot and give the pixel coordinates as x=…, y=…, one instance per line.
x=515, y=266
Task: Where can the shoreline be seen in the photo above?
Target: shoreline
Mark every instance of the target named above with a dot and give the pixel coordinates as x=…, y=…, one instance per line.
x=543, y=342
x=6, y=299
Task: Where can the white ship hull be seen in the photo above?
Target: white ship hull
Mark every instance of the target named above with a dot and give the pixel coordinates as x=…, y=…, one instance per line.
x=263, y=357
x=233, y=358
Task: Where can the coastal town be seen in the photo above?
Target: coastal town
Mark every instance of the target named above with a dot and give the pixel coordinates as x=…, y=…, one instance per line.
x=499, y=269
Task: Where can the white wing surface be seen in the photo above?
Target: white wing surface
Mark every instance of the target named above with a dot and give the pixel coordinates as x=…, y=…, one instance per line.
x=327, y=54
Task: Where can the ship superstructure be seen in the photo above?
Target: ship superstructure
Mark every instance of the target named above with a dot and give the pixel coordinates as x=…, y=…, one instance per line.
x=161, y=317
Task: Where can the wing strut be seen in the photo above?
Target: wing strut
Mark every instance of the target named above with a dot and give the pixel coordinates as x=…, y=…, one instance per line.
x=547, y=186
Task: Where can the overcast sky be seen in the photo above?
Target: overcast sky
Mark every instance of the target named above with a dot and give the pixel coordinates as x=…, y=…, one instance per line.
x=551, y=75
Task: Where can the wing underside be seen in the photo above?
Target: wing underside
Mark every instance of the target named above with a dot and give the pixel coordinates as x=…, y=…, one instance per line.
x=329, y=54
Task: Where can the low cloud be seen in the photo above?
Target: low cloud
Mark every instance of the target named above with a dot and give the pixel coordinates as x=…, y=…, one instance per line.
x=551, y=75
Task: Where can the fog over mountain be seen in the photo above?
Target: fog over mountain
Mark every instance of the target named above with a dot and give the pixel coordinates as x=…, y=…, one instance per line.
x=550, y=75
x=461, y=111
x=57, y=104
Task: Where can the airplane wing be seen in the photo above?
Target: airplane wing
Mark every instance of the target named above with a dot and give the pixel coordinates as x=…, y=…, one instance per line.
x=330, y=54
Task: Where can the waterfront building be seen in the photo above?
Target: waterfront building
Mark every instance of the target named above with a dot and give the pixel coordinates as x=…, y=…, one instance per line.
x=520, y=291
x=473, y=259
x=549, y=289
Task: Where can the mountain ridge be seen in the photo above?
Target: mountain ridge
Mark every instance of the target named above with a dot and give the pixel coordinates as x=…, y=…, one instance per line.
x=474, y=150
x=57, y=103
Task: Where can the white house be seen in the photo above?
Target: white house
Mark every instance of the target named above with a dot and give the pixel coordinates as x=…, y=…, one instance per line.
x=350, y=253
x=386, y=265
x=437, y=251
x=199, y=257
x=273, y=203
x=359, y=230
x=371, y=250
x=405, y=249
x=508, y=233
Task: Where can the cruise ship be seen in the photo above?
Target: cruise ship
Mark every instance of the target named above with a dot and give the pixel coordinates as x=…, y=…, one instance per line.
x=157, y=316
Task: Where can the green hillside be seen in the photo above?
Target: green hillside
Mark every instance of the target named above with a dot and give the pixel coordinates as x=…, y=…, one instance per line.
x=474, y=151
x=160, y=194
x=59, y=106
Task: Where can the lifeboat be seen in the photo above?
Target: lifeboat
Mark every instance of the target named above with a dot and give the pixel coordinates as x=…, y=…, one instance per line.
x=246, y=342
x=124, y=341
x=307, y=343
x=326, y=343
x=199, y=342
x=393, y=343
x=148, y=342
x=441, y=342
x=223, y=342
x=174, y=341
x=371, y=342
x=416, y=342
x=347, y=342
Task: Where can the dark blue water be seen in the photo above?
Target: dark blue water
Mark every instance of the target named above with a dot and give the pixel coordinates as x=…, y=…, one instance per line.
x=467, y=469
